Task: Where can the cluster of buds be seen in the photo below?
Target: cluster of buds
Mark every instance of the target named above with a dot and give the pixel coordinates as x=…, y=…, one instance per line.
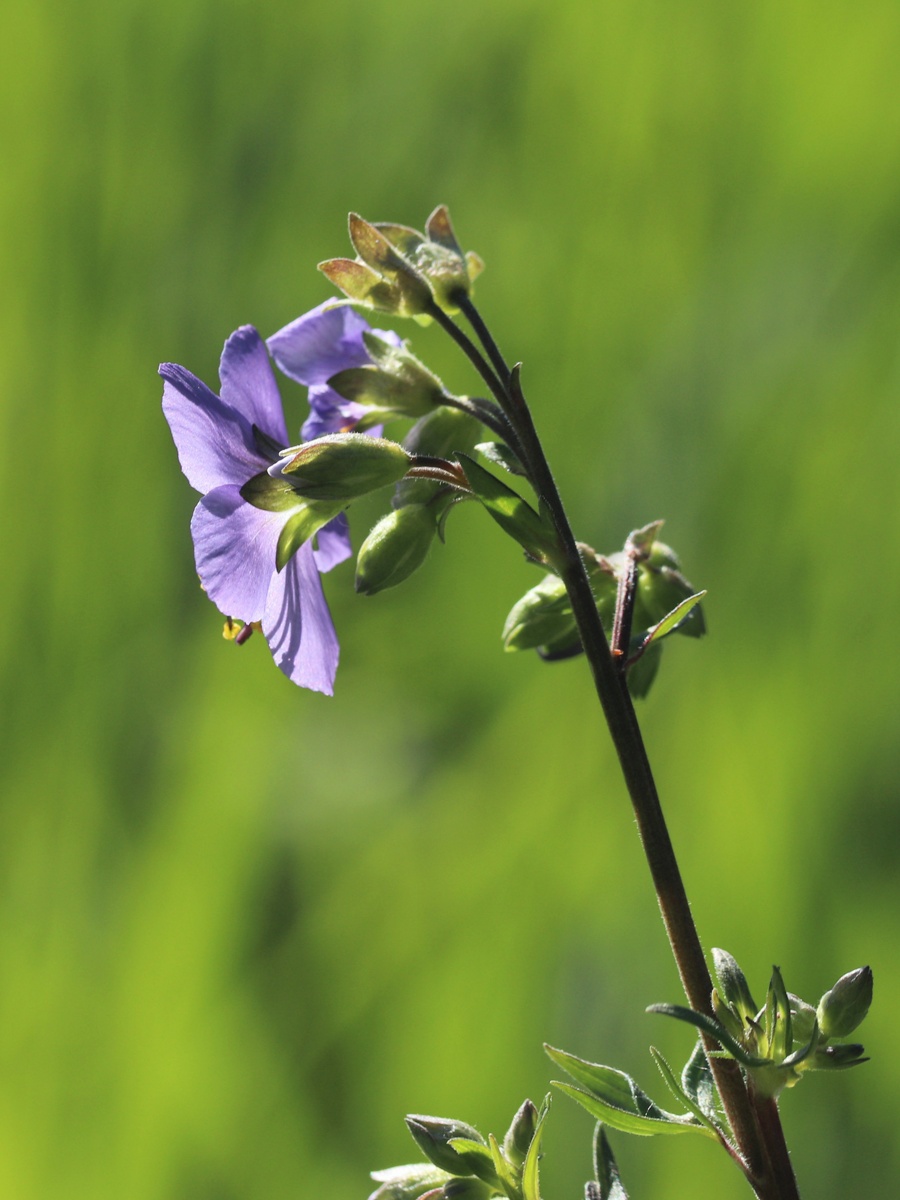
x=401, y=271
x=463, y=1165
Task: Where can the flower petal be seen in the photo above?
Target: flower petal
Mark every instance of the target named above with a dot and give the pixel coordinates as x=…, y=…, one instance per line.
x=320, y=343
x=248, y=383
x=234, y=548
x=215, y=442
x=298, y=627
x=333, y=544
x=329, y=412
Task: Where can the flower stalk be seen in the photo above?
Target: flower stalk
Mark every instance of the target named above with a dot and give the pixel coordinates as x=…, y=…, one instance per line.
x=759, y=1140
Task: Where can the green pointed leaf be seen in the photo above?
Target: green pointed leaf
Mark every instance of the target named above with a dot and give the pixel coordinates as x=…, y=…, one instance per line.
x=500, y=454
x=839, y=1058
x=678, y=1091
x=513, y=514
x=609, y=1182
x=672, y=620
x=614, y=1098
x=713, y=1028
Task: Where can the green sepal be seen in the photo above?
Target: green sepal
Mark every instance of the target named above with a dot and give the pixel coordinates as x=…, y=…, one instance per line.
x=513, y=514
x=477, y=1157
x=609, y=1181
x=270, y=495
x=679, y=1093
x=501, y=455
x=698, y=1083
x=839, y=1058
x=298, y=529
x=542, y=617
x=507, y=1176
x=732, y=982
x=781, y=1040
x=407, y=1183
x=531, y=1169
x=714, y=1028
x=614, y=1098
x=433, y=1134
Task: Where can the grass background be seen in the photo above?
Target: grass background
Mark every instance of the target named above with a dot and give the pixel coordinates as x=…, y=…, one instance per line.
x=243, y=929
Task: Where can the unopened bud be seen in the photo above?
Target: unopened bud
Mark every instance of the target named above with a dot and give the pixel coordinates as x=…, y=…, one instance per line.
x=469, y=1188
x=407, y=1183
x=341, y=466
x=843, y=1008
x=661, y=587
x=394, y=549
x=542, y=617
x=432, y=1134
x=396, y=382
x=521, y=1133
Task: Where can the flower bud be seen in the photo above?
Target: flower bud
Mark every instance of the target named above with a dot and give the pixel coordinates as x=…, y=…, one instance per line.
x=407, y=1183
x=661, y=587
x=542, y=617
x=843, y=1008
x=432, y=1134
x=443, y=433
x=521, y=1133
x=396, y=383
x=395, y=548
x=341, y=466
x=469, y=1188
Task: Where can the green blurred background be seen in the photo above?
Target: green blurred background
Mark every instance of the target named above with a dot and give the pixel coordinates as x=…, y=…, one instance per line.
x=244, y=929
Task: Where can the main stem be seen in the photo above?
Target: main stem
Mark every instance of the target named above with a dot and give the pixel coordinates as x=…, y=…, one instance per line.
x=770, y=1174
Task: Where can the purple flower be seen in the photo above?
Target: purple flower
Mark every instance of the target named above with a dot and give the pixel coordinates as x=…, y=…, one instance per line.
x=316, y=346
x=225, y=445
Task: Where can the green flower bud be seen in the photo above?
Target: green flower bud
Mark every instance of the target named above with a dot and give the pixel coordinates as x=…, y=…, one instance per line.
x=395, y=548
x=341, y=466
x=733, y=984
x=407, y=1183
x=521, y=1134
x=443, y=433
x=803, y=1019
x=437, y=256
x=432, y=1134
x=661, y=587
x=466, y=1189
x=543, y=617
x=396, y=383
x=843, y=1008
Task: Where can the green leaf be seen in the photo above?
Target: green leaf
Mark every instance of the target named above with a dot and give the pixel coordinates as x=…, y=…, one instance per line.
x=713, y=1028
x=614, y=1098
x=610, y=1186
x=513, y=514
x=679, y=1093
x=672, y=620
x=500, y=454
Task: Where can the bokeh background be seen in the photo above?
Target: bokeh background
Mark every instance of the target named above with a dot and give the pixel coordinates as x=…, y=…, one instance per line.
x=244, y=929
